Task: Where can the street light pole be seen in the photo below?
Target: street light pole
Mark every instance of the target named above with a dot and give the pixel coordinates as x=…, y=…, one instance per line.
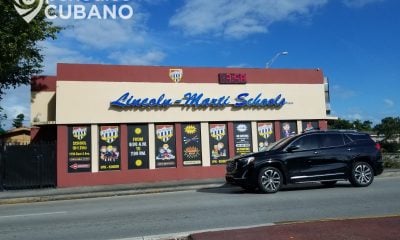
x=269, y=63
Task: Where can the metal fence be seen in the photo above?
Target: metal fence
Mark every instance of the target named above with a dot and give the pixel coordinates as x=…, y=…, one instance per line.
x=28, y=166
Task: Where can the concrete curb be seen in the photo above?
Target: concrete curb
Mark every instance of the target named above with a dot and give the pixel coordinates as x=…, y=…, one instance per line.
x=72, y=194
x=186, y=235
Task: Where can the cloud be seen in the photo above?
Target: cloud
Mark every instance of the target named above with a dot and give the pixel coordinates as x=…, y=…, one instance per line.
x=107, y=33
x=107, y=41
x=238, y=19
x=240, y=65
x=54, y=54
x=354, y=116
x=338, y=91
x=102, y=34
x=359, y=3
x=389, y=103
x=151, y=57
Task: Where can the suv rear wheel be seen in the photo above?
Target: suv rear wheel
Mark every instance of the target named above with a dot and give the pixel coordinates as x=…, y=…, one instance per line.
x=362, y=174
x=269, y=180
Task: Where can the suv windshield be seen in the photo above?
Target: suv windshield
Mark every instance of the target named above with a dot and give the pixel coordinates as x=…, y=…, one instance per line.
x=279, y=144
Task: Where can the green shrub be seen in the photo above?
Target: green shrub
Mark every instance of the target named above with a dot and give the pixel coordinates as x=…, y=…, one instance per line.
x=391, y=160
x=390, y=147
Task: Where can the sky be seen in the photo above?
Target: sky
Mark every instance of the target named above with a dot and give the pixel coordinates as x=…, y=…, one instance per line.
x=356, y=43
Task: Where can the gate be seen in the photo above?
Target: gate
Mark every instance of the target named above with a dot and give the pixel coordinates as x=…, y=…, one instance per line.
x=28, y=166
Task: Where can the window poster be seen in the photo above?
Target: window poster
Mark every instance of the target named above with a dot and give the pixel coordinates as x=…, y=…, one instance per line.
x=218, y=143
x=79, y=149
x=165, y=146
x=109, y=147
x=242, y=139
x=138, y=146
x=265, y=135
x=288, y=128
x=191, y=144
x=310, y=125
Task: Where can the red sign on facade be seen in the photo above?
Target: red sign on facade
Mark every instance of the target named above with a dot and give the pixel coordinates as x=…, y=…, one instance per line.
x=232, y=78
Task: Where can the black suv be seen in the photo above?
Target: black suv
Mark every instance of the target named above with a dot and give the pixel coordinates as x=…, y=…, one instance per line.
x=316, y=156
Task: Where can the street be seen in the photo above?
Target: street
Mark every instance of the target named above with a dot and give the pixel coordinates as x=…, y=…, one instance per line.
x=163, y=213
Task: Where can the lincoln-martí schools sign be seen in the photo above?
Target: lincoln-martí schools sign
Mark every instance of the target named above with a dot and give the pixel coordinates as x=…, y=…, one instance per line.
x=200, y=100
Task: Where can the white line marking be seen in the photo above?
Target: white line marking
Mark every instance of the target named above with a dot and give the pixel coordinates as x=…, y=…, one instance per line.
x=32, y=214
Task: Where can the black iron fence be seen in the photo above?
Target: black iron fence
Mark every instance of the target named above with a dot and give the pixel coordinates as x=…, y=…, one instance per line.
x=28, y=166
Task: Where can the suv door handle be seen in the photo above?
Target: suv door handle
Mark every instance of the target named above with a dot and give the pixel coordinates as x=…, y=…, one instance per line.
x=316, y=152
x=349, y=149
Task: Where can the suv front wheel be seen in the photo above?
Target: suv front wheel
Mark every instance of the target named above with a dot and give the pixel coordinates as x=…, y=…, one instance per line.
x=362, y=174
x=269, y=180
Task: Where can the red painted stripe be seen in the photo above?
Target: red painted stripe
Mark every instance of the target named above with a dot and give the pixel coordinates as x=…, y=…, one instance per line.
x=43, y=84
x=122, y=73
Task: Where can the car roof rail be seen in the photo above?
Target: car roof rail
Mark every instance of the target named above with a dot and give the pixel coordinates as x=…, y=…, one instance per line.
x=311, y=130
x=344, y=130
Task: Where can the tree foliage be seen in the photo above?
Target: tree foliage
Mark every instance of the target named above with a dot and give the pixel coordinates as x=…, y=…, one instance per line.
x=339, y=124
x=389, y=127
x=19, y=121
x=364, y=126
x=20, y=55
x=3, y=117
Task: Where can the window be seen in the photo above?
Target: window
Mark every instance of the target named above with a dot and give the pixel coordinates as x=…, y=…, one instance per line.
x=356, y=137
x=331, y=140
x=307, y=142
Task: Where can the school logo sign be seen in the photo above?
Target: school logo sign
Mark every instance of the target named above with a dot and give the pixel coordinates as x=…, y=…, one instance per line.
x=176, y=75
x=109, y=133
x=165, y=133
x=218, y=131
x=79, y=132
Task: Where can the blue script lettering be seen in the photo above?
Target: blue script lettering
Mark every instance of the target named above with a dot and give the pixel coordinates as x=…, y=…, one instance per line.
x=197, y=100
x=242, y=100
x=128, y=100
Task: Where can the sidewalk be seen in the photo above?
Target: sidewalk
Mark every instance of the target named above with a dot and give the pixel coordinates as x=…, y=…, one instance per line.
x=375, y=228
x=53, y=194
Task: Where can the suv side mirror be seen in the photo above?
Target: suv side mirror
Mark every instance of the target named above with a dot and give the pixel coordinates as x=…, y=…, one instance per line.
x=292, y=148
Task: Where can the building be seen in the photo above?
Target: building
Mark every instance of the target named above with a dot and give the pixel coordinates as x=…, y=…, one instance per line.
x=127, y=124
x=16, y=136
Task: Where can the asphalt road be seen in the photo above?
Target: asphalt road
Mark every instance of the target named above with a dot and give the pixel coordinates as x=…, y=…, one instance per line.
x=153, y=214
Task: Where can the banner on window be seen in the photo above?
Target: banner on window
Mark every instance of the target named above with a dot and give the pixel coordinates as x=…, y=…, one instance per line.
x=138, y=146
x=218, y=143
x=165, y=146
x=288, y=128
x=79, y=149
x=109, y=148
x=310, y=125
x=242, y=138
x=191, y=144
x=265, y=135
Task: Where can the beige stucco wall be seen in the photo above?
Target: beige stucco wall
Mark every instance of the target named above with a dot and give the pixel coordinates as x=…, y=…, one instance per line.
x=43, y=107
x=89, y=102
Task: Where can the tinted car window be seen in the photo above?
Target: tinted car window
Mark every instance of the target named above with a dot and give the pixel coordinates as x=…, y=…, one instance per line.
x=356, y=137
x=347, y=139
x=281, y=143
x=331, y=140
x=307, y=142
